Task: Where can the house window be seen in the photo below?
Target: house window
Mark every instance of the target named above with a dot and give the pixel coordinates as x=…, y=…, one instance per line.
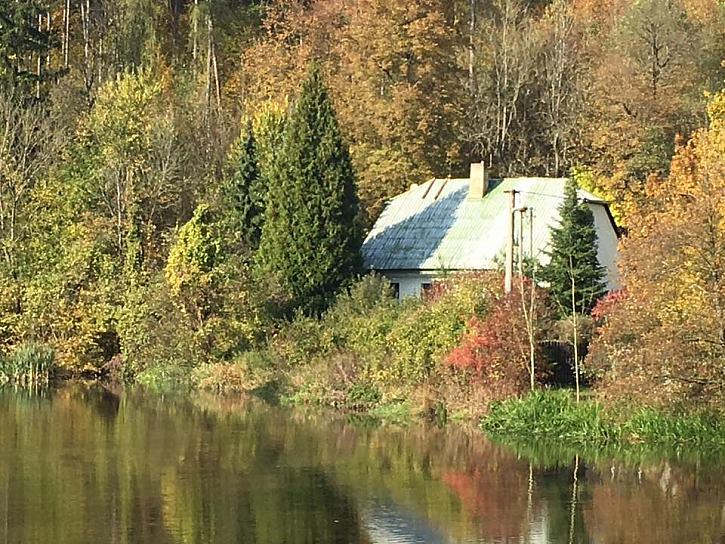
x=396, y=289
x=425, y=290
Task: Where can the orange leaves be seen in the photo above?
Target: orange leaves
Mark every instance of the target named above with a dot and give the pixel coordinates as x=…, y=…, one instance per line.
x=668, y=329
x=391, y=69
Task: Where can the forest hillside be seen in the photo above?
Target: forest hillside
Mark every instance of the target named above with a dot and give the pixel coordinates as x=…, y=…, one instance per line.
x=152, y=162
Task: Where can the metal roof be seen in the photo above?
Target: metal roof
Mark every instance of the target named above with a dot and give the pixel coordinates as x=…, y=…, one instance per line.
x=435, y=226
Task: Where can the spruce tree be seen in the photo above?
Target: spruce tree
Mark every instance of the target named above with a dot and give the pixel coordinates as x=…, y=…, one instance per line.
x=243, y=192
x=574, y=264
x=311, y=237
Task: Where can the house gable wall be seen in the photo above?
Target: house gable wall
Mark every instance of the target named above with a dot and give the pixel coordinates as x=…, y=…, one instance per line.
x=607, y=242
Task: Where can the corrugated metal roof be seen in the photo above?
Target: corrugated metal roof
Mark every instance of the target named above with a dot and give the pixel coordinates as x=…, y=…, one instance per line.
x=435, y=226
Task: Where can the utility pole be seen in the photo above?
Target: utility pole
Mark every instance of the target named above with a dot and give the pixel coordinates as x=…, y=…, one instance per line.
x=509, y=269
x=531, y=239
x=521, y=210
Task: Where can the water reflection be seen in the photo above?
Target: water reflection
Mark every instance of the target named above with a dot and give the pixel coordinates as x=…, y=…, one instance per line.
x=90, y=465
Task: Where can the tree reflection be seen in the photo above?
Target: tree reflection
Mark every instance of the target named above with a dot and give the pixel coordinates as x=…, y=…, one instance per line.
x=124, y=467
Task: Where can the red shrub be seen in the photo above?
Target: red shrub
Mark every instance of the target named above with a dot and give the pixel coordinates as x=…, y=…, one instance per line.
x=496, y=349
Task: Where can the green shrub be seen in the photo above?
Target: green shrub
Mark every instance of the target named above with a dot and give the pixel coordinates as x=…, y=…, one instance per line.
x=362, y=395
x=425, y=333
x=396, y=412
x=357, y=324
x=300, y=341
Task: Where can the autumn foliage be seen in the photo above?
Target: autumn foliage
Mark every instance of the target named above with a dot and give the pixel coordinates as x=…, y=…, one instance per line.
x=119, y=123
x=495, y=347
x=666, y=333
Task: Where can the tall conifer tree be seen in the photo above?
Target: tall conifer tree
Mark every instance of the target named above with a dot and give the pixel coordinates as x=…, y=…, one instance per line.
x=311, y=236
x=243, y=192
x=574, y=256
x=23, y=40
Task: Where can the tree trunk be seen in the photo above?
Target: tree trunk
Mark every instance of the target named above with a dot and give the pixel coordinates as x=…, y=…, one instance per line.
x=575, y=324
x=472, y=49
x=40, y=59
x=88, y=72
x=66, y=34
x=195, y=30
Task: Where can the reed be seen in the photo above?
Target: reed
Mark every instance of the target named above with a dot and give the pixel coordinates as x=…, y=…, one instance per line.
x=702, y=428
x=29, y=365
x=550, y=415
x=553, y=417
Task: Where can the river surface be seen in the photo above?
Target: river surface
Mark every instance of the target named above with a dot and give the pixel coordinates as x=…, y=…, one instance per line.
x=81, y=465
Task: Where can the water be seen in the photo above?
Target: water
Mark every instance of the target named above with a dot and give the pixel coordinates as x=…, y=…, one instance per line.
x=93, y=466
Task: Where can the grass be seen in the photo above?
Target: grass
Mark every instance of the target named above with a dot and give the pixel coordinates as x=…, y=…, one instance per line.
x=396, y=412
x=29, y=365
x=554, y=417
x=703, y=429
x=166, y=378
x=549, y=415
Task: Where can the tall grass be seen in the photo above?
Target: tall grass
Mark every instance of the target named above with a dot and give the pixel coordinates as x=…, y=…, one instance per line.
x=554, y=417
x=704, y=429
x=549, y=415
x=29, y=365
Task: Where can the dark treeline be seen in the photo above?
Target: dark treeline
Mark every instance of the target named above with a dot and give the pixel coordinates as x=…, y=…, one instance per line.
x=155, y=195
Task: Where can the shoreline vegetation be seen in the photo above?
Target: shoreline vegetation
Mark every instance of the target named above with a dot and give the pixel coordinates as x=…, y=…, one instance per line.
x=548, y=419
x=380, y=360
x=553, y=417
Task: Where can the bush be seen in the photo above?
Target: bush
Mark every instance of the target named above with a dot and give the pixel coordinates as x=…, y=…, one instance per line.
x=248, y=372
x=426, y=332
x=362, y=395
x=367, y=337
x=357, y=324
x=495, y=349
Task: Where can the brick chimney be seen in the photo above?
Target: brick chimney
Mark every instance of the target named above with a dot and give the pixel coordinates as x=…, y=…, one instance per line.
x=478, y=182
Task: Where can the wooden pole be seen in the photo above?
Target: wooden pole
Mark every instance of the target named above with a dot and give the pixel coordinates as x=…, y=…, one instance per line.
x=520, y=256
x=575, y=325
x=509, y=269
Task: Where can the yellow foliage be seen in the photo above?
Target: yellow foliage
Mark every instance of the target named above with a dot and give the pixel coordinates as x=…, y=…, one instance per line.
x=123, y=115
x=670, y=328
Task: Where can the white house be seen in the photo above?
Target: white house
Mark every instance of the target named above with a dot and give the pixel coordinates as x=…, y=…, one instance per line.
x=451, y=225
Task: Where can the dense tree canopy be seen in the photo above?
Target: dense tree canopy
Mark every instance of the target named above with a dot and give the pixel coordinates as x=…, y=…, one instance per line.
x=120, y=118
x=25, y=42
x=667, y=330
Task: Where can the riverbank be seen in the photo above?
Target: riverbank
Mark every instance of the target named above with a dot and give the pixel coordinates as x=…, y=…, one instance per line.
x=548, y=420
x=460, y=353
x=371, y=353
